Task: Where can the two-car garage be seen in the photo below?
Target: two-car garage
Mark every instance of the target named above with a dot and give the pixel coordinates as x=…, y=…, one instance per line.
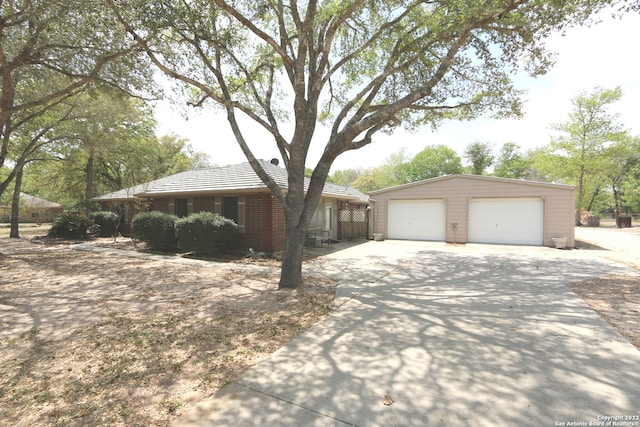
x=476, y=209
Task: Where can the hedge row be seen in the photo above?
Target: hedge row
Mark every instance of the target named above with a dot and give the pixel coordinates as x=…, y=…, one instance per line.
x=74, y=225
x=203, y=233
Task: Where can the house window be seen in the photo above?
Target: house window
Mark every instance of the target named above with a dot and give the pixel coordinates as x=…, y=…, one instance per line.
x=230, y=208
x=34, y=215
x=182, y=208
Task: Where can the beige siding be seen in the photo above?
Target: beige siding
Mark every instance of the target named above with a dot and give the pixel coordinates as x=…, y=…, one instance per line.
x=458, y=190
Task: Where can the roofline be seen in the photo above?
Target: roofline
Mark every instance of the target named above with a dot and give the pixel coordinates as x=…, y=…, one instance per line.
x=184, y=194
x=217, y=192
x=477, y=177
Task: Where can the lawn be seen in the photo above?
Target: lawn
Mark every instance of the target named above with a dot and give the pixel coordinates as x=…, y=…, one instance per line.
x=27, y=230
x=105, y=340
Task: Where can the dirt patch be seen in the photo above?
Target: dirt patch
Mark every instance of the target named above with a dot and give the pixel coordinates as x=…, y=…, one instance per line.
x=94, y=339
x=617, y=300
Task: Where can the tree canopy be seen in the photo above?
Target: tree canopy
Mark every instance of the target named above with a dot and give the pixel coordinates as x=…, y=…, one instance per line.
x=577, y=154
x=433, y=161
x=511, y=163
x=51, y=50
x=480, y=157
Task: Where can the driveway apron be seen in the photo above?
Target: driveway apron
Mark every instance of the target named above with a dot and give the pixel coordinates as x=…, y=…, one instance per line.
x=427, y=334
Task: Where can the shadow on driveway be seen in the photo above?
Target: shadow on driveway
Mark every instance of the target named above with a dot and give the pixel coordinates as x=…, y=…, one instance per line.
x=457, y=337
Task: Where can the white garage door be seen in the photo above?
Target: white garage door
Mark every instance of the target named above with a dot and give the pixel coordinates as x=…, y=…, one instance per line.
x=506, y=221
x=417, y=219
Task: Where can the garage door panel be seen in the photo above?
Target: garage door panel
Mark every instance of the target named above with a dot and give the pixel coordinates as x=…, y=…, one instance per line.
x=506, y=221
x=417, y=219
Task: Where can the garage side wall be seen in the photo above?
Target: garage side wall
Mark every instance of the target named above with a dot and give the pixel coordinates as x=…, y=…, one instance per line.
x=457, y=191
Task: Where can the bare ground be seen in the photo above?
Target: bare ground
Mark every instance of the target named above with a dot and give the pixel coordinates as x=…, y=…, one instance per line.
x=617, y=300
x=89, y=339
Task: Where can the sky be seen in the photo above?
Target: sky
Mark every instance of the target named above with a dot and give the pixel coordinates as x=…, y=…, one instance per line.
x=604, y=54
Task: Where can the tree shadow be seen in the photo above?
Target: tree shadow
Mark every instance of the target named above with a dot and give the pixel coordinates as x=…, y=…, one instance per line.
x=456, y=340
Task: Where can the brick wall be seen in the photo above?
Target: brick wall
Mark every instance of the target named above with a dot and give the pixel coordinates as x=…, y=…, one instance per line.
x=204, y=204
x=264, y=224
x=277, y=225
x=161, y=205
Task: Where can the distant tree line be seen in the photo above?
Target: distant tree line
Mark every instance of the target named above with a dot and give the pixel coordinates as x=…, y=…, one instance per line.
x=591, y=150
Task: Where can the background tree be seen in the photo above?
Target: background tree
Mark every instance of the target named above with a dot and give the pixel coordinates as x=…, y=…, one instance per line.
x=345, y=177
x=480, y=157
x=361, y=67
x=129, y=161
x=577, y=155
x=433, y=161
x=31, y=142
x=511, y=163
x=631, y=189
x=51, y=50
x=620, y=159
x=391, y=173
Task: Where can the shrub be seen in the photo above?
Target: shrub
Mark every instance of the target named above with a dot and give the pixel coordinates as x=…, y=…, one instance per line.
x=205, y=233
x=106, y=222
x=157, y=229
x=70, y=225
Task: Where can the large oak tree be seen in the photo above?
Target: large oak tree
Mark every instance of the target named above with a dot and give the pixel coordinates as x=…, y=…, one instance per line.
x=361, y=66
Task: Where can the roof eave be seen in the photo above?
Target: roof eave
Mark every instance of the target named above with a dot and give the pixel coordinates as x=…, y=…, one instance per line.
x=478, y=177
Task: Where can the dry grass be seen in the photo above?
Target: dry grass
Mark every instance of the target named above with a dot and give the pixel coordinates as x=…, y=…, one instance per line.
x=88, y=339
x=616, y=299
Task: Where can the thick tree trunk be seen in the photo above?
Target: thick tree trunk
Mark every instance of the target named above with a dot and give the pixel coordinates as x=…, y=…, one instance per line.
x=292, y=257
x=15, y=204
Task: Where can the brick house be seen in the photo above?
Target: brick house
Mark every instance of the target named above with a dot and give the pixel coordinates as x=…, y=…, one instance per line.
x=32, y=209
x=235, y=192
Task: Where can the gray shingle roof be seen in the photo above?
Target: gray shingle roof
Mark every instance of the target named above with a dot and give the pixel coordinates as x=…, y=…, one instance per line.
x=240, y=177
x=37, y=202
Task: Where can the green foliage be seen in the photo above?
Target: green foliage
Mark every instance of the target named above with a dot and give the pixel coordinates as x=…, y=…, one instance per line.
x=109, y=144
x=433, y=161
x=480, y=156
x=389, y=174
x=106, y=222
x=511, y=163
x=157, y=229
x=70, y=225
x=205, y=233
x=51, y=52
x=622, y=162
x=345, y=177
x=577, y=154
x=631, y=189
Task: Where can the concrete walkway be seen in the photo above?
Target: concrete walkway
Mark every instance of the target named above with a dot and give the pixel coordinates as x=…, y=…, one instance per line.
x=473, y=335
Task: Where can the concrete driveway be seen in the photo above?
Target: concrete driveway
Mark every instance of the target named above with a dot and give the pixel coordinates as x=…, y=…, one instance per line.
x=473, y=335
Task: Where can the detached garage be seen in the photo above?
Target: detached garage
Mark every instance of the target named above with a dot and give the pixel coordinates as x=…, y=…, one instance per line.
x=475, y=209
